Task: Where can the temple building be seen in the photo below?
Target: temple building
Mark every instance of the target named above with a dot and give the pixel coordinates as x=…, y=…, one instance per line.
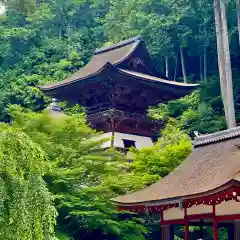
x=117, y=87
x=203, y=191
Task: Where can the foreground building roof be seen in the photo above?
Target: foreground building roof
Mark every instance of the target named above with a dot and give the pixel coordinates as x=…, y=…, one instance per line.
x=213, y=166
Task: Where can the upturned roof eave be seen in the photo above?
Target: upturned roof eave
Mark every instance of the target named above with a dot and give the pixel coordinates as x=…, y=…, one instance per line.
x=177, y=199
x=158, y=80
x=108, y=66
x=64, y=84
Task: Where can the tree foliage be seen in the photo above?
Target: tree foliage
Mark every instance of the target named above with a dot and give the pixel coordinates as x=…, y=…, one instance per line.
x=84, y=177
x=170, y=150
x=80, y=171
x=191, y=114
x=26, y=206
x=45, y=41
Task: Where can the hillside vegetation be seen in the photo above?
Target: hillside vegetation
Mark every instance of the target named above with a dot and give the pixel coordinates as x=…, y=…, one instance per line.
x=45, y=41
x=56, y=182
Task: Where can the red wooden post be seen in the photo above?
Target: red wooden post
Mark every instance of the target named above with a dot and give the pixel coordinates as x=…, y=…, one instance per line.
x=187, y=234
x=215, y=224
x=186, y=228
x=215, y=229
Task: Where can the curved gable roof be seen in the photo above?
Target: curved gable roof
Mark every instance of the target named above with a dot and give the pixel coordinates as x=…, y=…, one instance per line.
x=117, y=55
x=113, y=54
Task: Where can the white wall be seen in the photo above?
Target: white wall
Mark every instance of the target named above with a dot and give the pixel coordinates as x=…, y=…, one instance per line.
x=199, y=209
x=140, y=141
x=228, y=208
x=173, y=214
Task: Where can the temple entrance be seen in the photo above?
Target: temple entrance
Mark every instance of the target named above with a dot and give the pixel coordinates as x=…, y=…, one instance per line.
x=203, y=231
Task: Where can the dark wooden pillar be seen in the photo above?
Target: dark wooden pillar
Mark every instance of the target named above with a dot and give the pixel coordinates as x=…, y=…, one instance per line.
x=237, y=229
x=171, y=232
x=162, y=232
x=231, y=231
x=201, y=229
x=165, y=232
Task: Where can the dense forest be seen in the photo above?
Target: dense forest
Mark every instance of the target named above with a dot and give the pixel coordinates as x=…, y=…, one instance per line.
x=56, y=183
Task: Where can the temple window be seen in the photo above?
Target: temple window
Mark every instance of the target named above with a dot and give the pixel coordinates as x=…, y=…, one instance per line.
x=128, y=143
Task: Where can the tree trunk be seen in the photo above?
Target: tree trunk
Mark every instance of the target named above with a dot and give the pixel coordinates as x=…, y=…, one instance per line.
x=166, y=67
x=221, y=67
x=60, y=32
x=238, y=18
x=205, y=63
x=205, y=53
x=113, y=130
x=200, y=67
x=176, y=66
x=224, y=62
x=183, y=65
x=69, y=36
x=230, y=101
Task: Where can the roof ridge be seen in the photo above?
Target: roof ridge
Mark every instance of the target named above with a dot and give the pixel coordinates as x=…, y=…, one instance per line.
x=216, y=137
x=117, y=45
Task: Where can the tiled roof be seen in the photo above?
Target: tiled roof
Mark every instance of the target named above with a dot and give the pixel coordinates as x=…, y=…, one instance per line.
x=214, y=161
x=112, y=55
x=97, y=64
x=217, y=137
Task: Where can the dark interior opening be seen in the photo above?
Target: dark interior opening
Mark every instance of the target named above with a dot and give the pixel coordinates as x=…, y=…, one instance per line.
x=128, y=143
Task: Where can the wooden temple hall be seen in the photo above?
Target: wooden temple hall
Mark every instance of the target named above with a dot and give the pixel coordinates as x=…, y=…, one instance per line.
x=203, y=191
x=117, y=87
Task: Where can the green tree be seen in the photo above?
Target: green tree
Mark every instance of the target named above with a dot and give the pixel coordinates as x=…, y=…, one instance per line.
x=80, y=171
x=167, y=153
x=191, y=114
x=25, y=6
x=26, y=206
